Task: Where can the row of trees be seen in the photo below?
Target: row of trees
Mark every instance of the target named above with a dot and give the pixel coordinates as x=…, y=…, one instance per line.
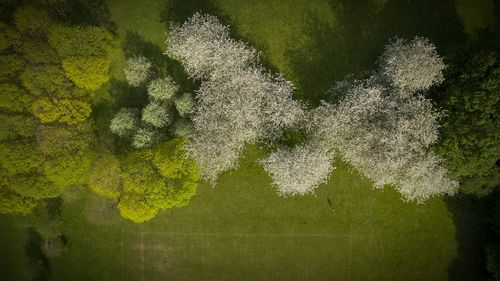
x=237, y=103
x=48, y=70
x=384, y=125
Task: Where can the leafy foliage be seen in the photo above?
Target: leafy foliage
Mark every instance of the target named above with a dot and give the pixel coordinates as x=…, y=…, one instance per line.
x=155, y=179
x=19, y=158
x=10, y=66
x=37, y=51
x=31, y=19
x=16, y=126
x=69, y=170
x=9, y=37
x=470, y=141
x=34, y=186
x=87, y=41
x=57, y=139
x=145, y=137
x=105, y=177
x=46, y=81
x=14, y=99
x=12, y=203
x=87, y=72
x=64, y=110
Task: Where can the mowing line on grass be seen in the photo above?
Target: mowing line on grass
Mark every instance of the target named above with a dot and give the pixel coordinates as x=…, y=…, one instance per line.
x=142, y=255
x=121, y=254
x=245, y=234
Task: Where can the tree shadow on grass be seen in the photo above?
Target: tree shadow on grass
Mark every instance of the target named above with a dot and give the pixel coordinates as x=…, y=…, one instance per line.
x=38, y=264
x=357, y=39
x=178, y=11
x=470, y=216
x=136, y=45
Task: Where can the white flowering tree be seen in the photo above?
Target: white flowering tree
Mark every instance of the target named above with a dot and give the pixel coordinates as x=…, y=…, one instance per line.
x=162, y=89
x=203, y=45
x=125, y=123
x=298, y=170
x=138, y=70
x=386, y=135
x=156, y=114
x=237, y=103
x=412, y=66
x=145, y=137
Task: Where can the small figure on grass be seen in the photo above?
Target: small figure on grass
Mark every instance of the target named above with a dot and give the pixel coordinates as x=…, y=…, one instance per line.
x=332, y=207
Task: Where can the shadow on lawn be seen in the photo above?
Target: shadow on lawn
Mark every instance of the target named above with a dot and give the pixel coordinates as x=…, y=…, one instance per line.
x=357, y=39
x=178, y=11
x=38, y=264
x=471, y=217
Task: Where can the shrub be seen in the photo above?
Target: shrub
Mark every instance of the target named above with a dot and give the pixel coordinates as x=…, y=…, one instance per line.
x=125, y=123
x=157, y=115
x=184, y=104
x=162, y=89
x=138, y=71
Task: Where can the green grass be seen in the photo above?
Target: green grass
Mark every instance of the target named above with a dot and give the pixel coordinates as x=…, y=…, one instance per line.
x=240, y=230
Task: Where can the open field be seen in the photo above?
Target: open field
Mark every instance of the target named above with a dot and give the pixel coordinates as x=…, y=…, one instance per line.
x=240, y=230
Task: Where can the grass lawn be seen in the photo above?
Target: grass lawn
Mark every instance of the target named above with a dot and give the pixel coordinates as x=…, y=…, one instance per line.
x=240, y=230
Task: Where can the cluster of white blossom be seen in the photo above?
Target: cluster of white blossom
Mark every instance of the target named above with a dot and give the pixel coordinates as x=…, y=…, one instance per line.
x=125, y=122
x=386, y=134
x=412, y=66
x=156, y=114
x=146, y=129
x=204, y=45
x=138, y=70
x=298, y=170
x=237, y=102
x=162, y=89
